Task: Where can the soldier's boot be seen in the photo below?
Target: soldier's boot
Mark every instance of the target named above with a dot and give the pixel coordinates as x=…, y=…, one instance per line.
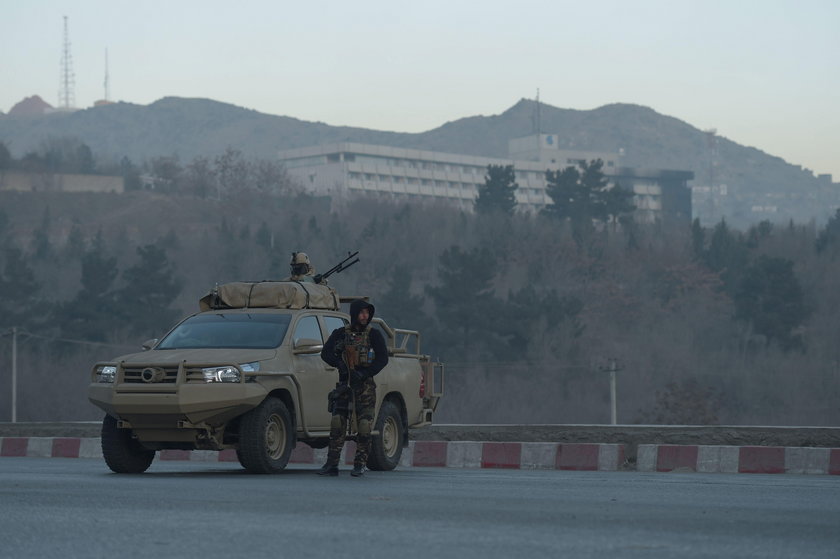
x=330, y=468
x=358, y=470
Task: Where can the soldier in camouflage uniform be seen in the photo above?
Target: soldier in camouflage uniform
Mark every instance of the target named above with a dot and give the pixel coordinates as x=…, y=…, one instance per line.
x=359, y=353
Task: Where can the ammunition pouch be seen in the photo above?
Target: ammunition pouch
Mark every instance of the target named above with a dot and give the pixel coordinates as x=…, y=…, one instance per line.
x=351, y=357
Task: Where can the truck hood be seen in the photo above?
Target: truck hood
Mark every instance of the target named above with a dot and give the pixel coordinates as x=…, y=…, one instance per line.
x=199, y=356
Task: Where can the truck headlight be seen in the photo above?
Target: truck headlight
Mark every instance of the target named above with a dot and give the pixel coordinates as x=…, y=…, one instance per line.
x=221, y=374
x=106, y=373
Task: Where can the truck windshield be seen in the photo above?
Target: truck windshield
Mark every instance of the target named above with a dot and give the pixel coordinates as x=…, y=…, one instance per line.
x=233, y=330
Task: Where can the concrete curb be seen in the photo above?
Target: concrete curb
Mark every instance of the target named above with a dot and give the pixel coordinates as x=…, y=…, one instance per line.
x=509, y=455
x=738, y=459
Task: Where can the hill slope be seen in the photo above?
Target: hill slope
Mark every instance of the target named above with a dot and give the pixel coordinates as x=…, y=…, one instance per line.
x=191, y=127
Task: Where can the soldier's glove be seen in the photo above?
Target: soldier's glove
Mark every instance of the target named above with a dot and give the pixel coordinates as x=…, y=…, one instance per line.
x=357, y=376
x=343, y=373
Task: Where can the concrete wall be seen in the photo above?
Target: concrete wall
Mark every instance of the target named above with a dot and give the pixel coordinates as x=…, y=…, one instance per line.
x=48, y=182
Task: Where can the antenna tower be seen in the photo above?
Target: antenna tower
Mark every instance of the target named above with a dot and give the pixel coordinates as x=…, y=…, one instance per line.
x=538, y=122
x=67, y=82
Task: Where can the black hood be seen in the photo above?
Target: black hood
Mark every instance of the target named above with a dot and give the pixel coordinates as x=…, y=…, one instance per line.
x=357, y=306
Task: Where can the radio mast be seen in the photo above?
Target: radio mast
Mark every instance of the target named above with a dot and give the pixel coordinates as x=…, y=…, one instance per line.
x=67, y=81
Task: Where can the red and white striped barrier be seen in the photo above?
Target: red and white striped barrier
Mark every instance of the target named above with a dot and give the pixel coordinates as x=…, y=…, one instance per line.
x=738, y=459
x=512, y=455
x=451, y=454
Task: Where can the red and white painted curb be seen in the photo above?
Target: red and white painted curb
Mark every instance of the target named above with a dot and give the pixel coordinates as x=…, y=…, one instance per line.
x=450, y=454
x=511, y=455
x=738, y=459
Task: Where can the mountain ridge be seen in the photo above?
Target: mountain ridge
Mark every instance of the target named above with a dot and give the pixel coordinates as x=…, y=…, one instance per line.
x=190, y=127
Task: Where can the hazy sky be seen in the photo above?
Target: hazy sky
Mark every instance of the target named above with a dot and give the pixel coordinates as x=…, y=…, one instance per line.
x=765, y=73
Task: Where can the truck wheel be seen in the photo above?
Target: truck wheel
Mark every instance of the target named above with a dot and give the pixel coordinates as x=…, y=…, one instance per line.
x=123, y=454
x=386, y=447
x=266, y=438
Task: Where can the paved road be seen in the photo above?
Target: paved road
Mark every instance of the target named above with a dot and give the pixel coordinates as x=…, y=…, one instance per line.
x=77, y=508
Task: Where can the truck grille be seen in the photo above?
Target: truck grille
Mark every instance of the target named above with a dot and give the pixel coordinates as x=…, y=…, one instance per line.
x=135, y=375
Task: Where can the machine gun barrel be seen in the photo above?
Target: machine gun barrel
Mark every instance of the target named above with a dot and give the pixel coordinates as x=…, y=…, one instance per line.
x=341, y=266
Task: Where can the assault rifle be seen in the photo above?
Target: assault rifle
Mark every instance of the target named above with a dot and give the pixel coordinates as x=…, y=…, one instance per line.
x=341, y=266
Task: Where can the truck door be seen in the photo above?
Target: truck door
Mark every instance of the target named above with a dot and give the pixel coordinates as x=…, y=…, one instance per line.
x=316, y=378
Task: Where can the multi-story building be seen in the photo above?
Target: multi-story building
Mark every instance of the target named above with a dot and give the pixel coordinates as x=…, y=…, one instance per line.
x=346, y=169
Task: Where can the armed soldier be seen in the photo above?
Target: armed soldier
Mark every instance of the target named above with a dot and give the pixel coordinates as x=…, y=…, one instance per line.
x=359, y=352
x=301, y=269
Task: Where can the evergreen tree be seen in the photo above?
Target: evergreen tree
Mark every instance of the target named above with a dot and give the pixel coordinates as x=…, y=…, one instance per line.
x=20, y=304
x=264, y=236
x=41, y=243
x=585, y=195
x=698, y=238
x=5, y=157
x=770, y=298
x=464, y=300
x=727, y=255
x=830, y=235
x=149, y=291
x=93, y=314
x=498, y=194
x=131, y=174
x=398, y=304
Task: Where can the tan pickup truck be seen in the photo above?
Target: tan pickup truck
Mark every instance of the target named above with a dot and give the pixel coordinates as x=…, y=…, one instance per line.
x=245, y=373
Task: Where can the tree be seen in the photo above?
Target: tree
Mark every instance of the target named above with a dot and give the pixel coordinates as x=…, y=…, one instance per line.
x=150, y=288
x=586, y=195
x=66, y=155
x=41, y=243
x=5, y=157
x=686, y=403
x=830, y=235
x=770, y=298
x=232, y=173
x=167, y=173
x=200, y=179
x=464, y=298
x=131, y=174
x=498, y=195
x=20, y=302
x=93, y=314
x=399, y=304
x=727, y=254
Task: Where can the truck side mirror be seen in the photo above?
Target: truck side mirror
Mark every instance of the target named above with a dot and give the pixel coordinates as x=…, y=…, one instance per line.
x=149, y=344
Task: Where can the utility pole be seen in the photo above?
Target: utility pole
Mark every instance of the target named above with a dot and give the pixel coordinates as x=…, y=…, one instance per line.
x=14, y=374
x=613, y=369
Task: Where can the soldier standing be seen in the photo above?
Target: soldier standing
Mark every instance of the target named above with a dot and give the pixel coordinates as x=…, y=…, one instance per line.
x=359, y=352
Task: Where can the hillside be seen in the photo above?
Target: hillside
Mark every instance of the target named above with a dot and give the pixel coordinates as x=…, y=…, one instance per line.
x=191, y=127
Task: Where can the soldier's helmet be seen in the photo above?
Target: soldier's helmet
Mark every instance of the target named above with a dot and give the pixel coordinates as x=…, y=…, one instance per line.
x=300, y=264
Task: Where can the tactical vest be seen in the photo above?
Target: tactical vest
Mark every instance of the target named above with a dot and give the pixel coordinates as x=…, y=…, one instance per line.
x=356, y=347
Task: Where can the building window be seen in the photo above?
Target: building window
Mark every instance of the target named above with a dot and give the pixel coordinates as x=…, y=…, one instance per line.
x=349, y=156
x=333, y=157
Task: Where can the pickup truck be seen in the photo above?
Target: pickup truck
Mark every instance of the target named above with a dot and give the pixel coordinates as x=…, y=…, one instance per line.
x=246, y=374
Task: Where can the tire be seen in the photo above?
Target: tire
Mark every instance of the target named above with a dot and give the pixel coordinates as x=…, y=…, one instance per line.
x=386, y=446
x=266, y=438
x=123, y=453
